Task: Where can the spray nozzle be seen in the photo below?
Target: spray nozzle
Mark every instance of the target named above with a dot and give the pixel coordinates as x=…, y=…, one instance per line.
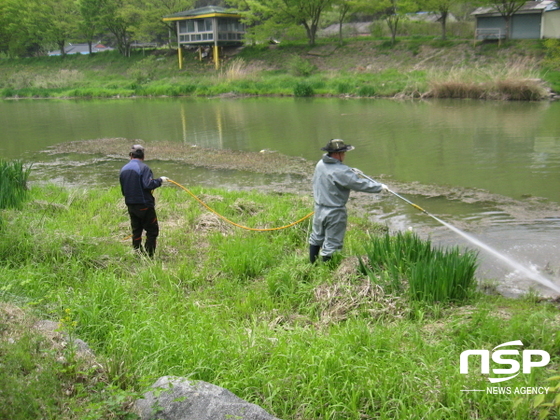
x=357, y=171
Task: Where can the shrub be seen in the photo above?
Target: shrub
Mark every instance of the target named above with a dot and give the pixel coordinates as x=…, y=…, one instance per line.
x=377, y=29
x=144, y=70
x=13, y=184
x=300, y=67
x=8, y=93
x=366, y=91
x=520, y=90
x=552, y=47
x=303, y=89
x=343, y=87
x=404, y=263
x=456, y=89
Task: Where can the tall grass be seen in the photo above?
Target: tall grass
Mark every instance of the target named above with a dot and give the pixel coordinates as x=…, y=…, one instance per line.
x=518, y=80
x=426, y=273
x=246, y=311
x=13, y=183
x=239, y=69
x=51, y=80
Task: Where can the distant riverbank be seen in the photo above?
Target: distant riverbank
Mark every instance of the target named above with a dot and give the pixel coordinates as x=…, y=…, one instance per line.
x=364, y=67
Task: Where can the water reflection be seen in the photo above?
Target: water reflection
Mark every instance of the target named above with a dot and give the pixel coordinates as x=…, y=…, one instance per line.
x=510, y=148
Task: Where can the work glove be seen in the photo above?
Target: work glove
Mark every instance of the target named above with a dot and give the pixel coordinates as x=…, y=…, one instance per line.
x=384, y=188
x=164, y=179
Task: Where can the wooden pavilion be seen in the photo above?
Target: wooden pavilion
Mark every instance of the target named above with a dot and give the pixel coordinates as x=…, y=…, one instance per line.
x=207, y=27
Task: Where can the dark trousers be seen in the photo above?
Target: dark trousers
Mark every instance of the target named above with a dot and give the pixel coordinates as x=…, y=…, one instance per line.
x=144, y=218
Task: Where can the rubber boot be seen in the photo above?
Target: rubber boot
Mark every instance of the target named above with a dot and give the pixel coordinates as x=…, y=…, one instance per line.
x=150, y=247
x=327, y=258
x=313, y=253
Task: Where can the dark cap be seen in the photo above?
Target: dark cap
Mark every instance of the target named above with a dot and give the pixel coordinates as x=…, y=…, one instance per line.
x=136, y=152
x=337, y=145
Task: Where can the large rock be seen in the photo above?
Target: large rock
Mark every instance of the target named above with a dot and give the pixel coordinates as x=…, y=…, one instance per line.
x=175, y=398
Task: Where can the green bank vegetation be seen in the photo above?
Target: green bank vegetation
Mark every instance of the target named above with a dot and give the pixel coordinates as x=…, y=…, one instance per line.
x=246, y=311
x=13, y=184
x=412, y=67
x=404, y=261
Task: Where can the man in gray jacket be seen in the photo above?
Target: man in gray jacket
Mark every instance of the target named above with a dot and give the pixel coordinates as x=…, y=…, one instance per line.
x=332, y=183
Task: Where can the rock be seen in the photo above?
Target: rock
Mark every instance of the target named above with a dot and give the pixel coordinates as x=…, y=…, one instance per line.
x=175, y=398
x=82, y=347
x=53, y=329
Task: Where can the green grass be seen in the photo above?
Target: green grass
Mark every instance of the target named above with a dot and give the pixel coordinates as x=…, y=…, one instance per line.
x=553, y=80
x=412, y=266
x=363, y=67
x=44, y=376
x=246, y=311
x=13, y=184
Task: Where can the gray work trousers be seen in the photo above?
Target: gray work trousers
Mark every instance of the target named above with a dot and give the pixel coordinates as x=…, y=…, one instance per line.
x=329, y=228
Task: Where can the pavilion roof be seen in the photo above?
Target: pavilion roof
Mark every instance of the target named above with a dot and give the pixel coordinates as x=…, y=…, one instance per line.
x=207, y=11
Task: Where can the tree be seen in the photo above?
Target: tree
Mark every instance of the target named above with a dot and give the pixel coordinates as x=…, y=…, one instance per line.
x=395, y=11
x=342, y=7
x=507, y=8
x=9, y=25
x=153, y=27
x=138, y=20
x=274, y=13
x=257, y=19
x=54, y=21
x=122, y=18
x=16, y=37
x=442, y=8
x=90, y=24
x=392, y=11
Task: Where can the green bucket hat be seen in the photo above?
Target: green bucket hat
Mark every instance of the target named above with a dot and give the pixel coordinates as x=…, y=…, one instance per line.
x=337, y=145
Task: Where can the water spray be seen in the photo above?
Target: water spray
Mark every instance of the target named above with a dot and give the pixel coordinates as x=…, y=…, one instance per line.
x=533, y=275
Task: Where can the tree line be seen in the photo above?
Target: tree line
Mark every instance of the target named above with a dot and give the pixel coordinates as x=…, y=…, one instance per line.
x=266, y=17
x=33, y=27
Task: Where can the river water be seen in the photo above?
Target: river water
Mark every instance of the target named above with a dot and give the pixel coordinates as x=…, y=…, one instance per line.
x=490, y=168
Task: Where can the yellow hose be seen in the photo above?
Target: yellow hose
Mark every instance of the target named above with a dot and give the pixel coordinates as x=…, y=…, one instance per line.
x=233, y=223
x=229, y=221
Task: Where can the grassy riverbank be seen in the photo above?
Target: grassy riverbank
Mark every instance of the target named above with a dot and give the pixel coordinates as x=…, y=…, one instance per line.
x=362, y=67
x=240, y=309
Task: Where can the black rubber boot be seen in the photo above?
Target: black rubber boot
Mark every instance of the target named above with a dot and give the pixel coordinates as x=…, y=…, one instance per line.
x=313, y=253
x=327, y=258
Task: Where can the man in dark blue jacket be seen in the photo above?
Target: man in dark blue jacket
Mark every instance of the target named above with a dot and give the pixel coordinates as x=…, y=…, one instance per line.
x=137, y=185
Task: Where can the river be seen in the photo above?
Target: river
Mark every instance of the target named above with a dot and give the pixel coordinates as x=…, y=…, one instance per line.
x=490, y=168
